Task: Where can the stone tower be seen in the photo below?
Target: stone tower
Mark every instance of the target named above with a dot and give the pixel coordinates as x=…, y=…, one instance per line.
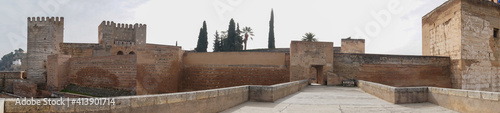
x=467, y=32
x=45, y=35
x=349, y=45
x=118, y=37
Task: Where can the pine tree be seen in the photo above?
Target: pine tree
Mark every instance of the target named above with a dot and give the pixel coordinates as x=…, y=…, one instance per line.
x=202, y=39
x=271, y=32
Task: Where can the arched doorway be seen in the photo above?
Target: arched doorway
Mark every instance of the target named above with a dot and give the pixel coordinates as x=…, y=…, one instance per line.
x=119, y=53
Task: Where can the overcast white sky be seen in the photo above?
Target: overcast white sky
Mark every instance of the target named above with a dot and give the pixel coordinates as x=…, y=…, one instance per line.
x=389, y=26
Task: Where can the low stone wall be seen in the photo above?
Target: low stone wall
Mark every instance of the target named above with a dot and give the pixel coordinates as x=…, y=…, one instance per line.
x=209, y=101
x=275, y=92
x=206, y=101
x=466, y=101
x=396, y=95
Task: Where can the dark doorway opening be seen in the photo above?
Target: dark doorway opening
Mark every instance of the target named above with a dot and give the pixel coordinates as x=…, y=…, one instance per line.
x=119, y=53
x=317, y=77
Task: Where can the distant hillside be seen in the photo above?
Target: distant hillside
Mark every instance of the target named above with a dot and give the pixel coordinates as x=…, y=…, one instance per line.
x=6, y=64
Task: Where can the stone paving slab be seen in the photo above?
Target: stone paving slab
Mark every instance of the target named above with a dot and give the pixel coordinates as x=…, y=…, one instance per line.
x=329, y=99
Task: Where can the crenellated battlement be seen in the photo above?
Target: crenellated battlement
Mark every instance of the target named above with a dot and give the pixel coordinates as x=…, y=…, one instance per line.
x=112, y=24
x=45, y=19
x=110, y=32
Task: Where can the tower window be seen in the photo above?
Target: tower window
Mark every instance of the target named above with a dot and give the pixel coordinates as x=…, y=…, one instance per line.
x=495, y=32
x=131, y=53
x=119, y=53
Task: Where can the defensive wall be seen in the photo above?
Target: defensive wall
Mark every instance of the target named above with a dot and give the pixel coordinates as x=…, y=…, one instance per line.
x=159, y=69
x=394, y=70
x=156, y=69
x=467, y=101
x=225, y=69
x=208, y=101
x=117, y=72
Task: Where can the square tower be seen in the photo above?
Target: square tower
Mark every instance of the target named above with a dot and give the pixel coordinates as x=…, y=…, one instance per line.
x=45, y=35
x=467, y=32
x=349, y=45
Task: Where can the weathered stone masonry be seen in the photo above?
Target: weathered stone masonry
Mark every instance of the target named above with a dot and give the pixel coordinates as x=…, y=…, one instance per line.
x=465, y=31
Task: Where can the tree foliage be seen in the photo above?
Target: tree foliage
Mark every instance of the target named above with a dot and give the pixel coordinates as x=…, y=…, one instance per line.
x=217, y=42
x=8, y=59
x=271, y=42
x=247, y=31
x=202, y=39
x=309, y=37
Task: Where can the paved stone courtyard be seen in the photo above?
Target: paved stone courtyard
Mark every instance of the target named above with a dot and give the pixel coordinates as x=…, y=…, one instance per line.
x=328, y=99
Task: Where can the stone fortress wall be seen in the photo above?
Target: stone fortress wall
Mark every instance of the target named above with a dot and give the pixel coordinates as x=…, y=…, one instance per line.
x=394, y=70
x=467, y=32
x=122, y=60
x=218, y=70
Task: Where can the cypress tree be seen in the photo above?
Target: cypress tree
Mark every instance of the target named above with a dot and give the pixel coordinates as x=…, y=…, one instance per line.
x=217, y=42
x=271, y=32
x=231, y=36
x=202, y=39
x=239, y=38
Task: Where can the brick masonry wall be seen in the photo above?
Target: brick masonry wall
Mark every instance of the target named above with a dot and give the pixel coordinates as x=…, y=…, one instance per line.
x=159, y=68
x=305, y=57
x=352, y=46
x=24, y=88
x=57, y=72
x=226, y=69
x=118, y=72
x=6, y=79
x=78, y=49
x=399, y=71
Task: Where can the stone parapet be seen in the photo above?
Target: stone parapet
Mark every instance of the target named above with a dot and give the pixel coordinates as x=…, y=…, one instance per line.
x=206, y=101
x=467, y=101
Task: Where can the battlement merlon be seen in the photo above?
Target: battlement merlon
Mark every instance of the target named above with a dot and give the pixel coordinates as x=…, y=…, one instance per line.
x=111, y=24
x=53, y=20
x=110, y=31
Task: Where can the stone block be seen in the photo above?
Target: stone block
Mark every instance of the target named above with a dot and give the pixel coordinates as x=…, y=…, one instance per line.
x=474, y=94
x=141, y=101
x=189, y=96
x=10, y=106
x=443, y=91
x=66, y=108
x=212, y=93
x=490, y=95
x=175, y=98
x=122, y=104
x=161, y=99
x=457, y=92
x=201, y=95
x=223, y=91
